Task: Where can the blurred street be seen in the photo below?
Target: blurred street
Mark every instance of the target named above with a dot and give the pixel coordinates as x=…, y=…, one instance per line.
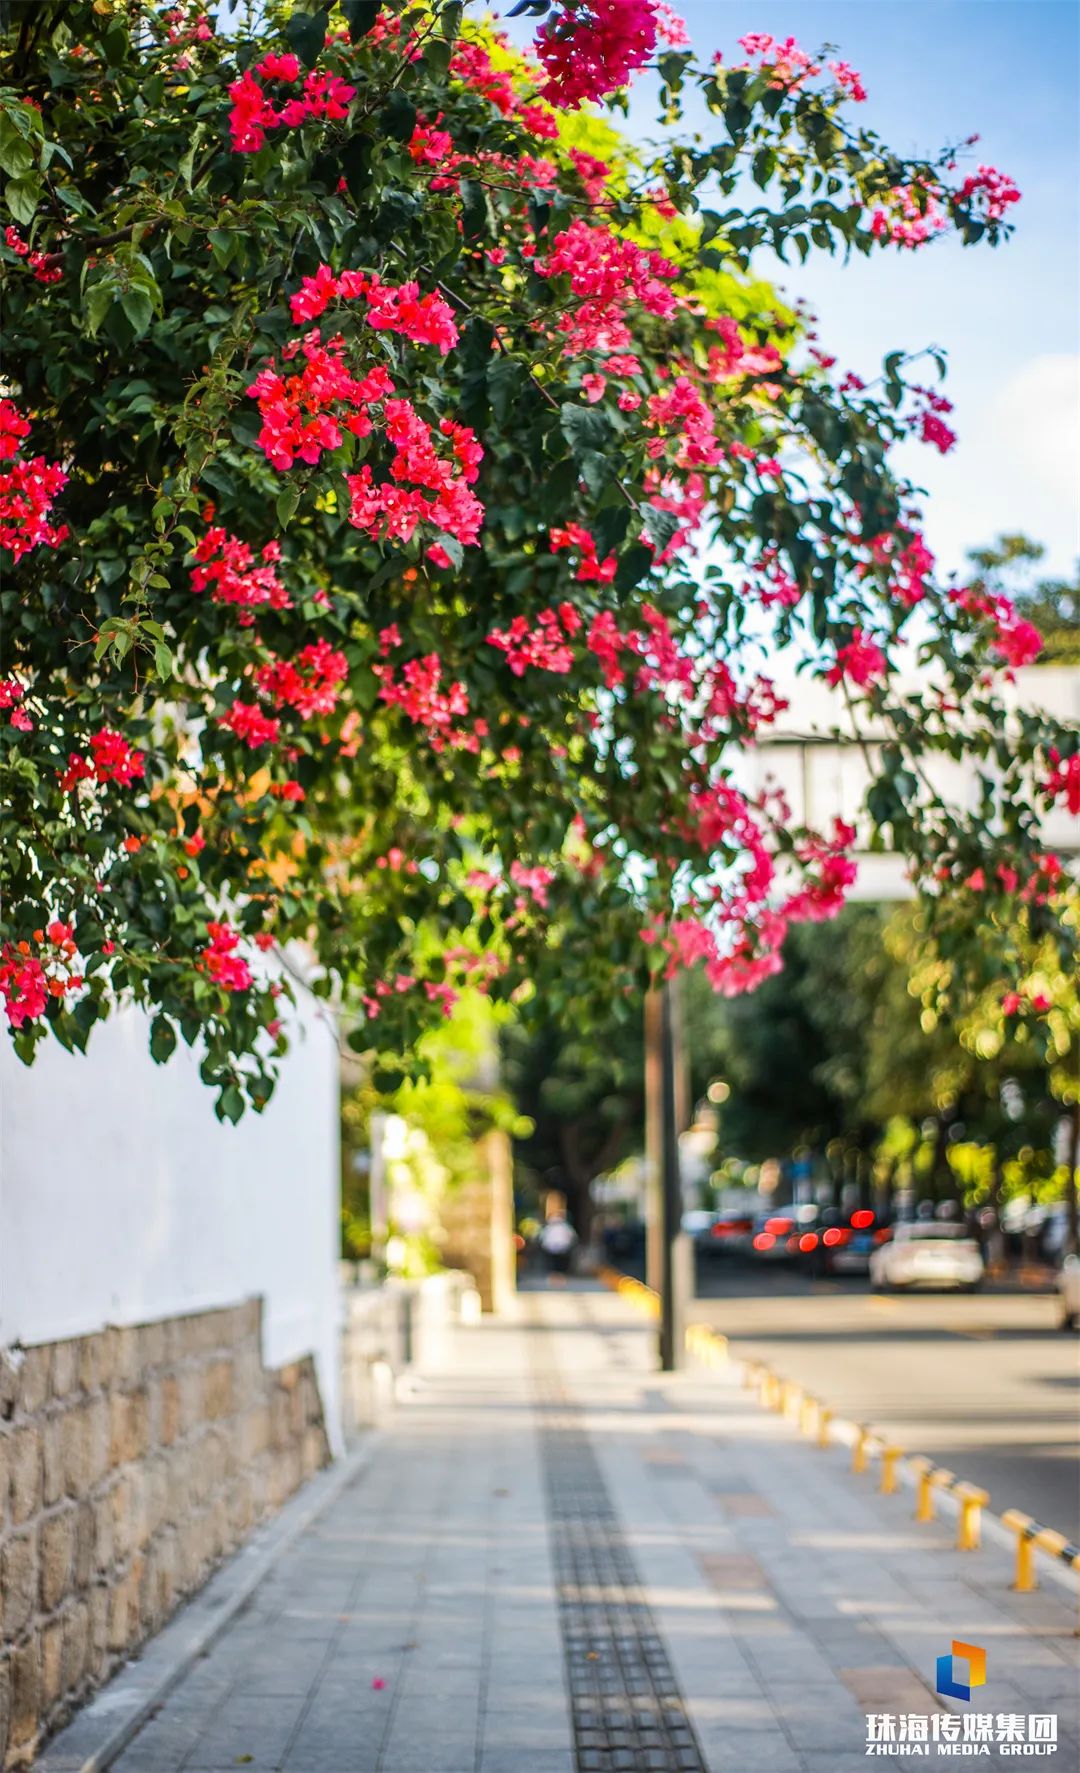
x=986, y=1384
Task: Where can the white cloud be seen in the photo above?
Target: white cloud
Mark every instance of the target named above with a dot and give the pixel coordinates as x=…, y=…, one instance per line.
x=1036, y=422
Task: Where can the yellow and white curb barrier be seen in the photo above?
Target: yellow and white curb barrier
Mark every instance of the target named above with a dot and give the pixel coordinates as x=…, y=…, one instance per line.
x=1030, y=1538
x=818, y=1423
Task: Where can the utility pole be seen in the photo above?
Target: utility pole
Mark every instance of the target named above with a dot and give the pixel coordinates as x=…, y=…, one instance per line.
x=668, y=1252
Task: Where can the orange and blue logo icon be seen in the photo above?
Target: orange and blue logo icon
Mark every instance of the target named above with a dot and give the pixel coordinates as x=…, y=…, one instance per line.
x=956, y=1683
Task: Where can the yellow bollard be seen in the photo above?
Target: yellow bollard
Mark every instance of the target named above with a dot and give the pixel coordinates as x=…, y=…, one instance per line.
x=889, y=1457
x=1021, y=1525
x=823, y=1423
x=791, y=1398
x=924, y=1496
x=860, y=1452
x=808, y=1416
x=972, y=1501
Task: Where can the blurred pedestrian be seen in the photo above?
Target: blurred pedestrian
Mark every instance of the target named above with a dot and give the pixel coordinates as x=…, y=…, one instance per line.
x=558, y=1240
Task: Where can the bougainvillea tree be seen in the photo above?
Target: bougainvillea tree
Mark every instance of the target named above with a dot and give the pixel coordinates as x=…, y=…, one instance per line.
x=404, y=486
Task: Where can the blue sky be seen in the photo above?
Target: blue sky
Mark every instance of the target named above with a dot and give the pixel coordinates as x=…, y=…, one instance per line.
x=936, y=71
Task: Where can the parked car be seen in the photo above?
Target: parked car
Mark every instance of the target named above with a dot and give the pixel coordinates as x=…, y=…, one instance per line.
x=772, y=1232
x=841, y=1243
x=928, y=1253
x=732, y=1232
x=1068, y=1283
x=698, y=1224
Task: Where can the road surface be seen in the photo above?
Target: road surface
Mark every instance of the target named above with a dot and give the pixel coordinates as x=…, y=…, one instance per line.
x=986, y=1384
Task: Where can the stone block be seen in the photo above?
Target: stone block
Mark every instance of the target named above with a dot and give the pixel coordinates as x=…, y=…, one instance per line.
x=95, y=1367
x=25, y=1662
x=168, y=1425
x=127, y=1426
x=83, y=1568
x=97, y=1643
x=121, y=1511
x=123, y=1355
x=76, y=1646
x=218, y=1390
x=34, y=1370
x=52, y=1643
x=86, y=1445
x=64, y=1377
x=191, y=1399
x=25, y=1462
x=56, y=1557
x=52, y=1452
x=19, y=1582
x=151, y=1347
x=5, y=1709
x=104, y=1551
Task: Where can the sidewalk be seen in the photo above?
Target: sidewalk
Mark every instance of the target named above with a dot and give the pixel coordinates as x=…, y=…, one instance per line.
x=559, y=1561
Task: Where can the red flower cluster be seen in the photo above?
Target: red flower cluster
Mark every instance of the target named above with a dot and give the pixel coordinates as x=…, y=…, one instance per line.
x=911, y=216
x=37, y=261
x=996, y=190
x=11, y=694
x=424, y=486
x=391, y=307
x=593, y=46
x=789, y=65
x=590, y=569
x=27, y=490
x=606, y=274
x=929, y=421
x=860, y=661
x=543, y=646
x=324, y=97
x=220, y=961
x=299, y=416
x=25, y=985
x=418, y=693
x=472, y=65
x=1063, y=781
x=681, y=412
x=246, y=721
x=228, y=567
x=1014, y=639
x=112, y=760
x=311, y=684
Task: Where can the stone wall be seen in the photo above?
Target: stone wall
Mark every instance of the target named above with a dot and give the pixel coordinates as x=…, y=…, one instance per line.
x=477, y=1218
x=131, y=1462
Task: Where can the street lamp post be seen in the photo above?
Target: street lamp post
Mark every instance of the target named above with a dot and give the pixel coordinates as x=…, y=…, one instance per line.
x=668, y=1256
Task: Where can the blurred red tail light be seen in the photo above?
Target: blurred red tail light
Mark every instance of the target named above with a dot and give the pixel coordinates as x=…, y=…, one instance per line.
x=808, y=1241
x=764, y=1240
x=862, y=1219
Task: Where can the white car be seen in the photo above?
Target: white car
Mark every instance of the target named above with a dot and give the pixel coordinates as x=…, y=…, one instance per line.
x=928, y=1253
x=1069, y=1289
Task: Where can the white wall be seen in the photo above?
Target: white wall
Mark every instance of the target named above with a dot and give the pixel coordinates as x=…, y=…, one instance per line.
x=123, y=1199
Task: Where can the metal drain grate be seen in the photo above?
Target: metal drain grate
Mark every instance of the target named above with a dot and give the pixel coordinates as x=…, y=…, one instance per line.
x=628, y=1713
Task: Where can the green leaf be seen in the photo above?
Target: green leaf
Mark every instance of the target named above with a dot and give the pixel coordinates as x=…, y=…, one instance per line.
x=229, y=1105
x=398, y=116
x=162, y=1040
x=635, y=563
x=360, y=16
x=22, y=196
x=584, y=427
x=139, y=310
x=306, y=34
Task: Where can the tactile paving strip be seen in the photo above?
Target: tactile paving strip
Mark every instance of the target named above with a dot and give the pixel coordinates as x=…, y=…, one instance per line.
x=628, y=1713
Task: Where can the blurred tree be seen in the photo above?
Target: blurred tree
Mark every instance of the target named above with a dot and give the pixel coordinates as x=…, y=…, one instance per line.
x=585, y=1099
